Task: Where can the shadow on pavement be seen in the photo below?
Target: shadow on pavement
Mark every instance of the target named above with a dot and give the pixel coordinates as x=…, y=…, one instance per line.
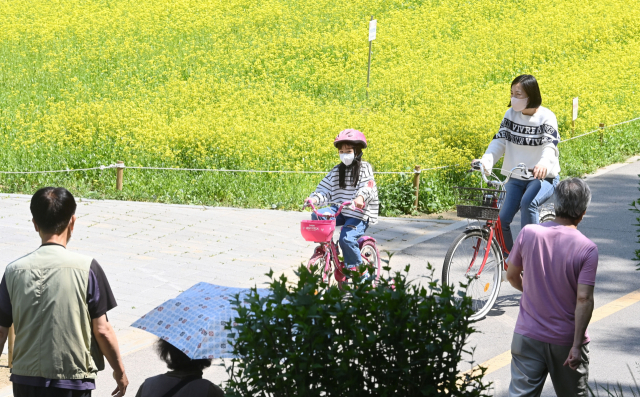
x=503, y=302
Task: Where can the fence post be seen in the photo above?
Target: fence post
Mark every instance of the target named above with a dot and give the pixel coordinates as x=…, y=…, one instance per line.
x=601, y=133
x=119, y=174
x=416, y=185
x=12, y=338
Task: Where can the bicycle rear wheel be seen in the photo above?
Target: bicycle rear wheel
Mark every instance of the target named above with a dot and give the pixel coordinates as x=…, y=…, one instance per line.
x=547, y=212
x=462, y=264
x=547, y=218
x=371, y=258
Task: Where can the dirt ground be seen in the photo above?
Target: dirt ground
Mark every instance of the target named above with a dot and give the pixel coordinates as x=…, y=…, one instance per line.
x=449, y=216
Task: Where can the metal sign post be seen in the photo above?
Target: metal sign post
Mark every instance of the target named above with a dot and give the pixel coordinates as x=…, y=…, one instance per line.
x=373, y=24
x=575, y=115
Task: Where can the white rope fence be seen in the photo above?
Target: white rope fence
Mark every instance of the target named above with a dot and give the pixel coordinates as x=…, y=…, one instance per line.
x=599, y=129
x=122, y=166
x=280, y=172
x=102, y=167
x=415, y=171
x=225, y=170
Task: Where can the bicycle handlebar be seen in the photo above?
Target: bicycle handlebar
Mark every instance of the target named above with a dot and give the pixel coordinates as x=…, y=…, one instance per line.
x=345, y=204
x=478, y=166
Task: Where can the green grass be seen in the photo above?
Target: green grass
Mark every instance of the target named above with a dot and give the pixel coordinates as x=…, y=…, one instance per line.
x=287, y=191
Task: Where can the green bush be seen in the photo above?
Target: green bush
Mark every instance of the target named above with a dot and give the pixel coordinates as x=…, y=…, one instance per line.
x=392, y=339
x=437, y=191
x=396, y=195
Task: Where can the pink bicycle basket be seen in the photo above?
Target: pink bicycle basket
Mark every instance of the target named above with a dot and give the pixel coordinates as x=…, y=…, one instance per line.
x=318, y=231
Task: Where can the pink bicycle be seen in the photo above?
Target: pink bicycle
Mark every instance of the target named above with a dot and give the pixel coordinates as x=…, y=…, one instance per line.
x=326, y=255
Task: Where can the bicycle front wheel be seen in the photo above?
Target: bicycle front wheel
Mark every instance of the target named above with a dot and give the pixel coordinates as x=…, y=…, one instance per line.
x=319, y=259
x=371, y=257
x=462, y=265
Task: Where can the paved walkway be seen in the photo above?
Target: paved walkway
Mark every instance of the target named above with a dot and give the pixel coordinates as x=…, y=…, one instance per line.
x=151, y=252
x=614, y=342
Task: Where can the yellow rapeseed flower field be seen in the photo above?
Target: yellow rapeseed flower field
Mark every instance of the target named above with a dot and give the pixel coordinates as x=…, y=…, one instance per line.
x=267, y=84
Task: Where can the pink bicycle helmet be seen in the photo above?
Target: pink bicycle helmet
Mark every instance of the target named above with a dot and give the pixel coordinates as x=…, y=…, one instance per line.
x=351, y=135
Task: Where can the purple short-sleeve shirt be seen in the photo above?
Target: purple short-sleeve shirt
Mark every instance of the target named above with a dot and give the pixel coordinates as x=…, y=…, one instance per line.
x=554, y=259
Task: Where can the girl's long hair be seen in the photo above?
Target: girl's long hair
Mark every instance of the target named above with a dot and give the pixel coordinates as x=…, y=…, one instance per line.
x=354, y=167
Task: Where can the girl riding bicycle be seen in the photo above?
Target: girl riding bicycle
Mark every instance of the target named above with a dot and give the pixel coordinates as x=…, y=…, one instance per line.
x=351, y=180
x=528, y=134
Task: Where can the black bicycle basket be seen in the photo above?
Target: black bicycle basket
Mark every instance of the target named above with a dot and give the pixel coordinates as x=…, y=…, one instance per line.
x=479, y=203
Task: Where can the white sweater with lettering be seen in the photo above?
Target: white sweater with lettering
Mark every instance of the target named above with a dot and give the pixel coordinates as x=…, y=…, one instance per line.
x=532, y=140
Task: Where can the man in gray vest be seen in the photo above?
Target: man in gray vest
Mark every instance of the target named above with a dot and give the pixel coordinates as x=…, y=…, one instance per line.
x=57, y=302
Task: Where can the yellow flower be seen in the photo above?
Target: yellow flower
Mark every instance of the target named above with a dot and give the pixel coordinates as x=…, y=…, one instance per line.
x=268, y=85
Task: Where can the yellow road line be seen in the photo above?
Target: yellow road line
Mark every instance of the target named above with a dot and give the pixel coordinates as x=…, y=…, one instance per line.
x=615, y=306
x=504, y=359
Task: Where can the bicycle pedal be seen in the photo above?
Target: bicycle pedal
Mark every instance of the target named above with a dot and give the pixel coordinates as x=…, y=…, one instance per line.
x=504, y=276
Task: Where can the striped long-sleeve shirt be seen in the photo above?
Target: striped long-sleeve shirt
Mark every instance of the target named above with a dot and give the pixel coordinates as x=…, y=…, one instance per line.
x=329, y=191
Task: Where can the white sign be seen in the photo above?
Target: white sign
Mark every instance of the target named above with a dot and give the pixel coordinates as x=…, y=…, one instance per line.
x=575, y=108
x=372, y=29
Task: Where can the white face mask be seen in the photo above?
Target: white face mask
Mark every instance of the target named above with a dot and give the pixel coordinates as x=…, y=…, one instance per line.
x=519, y=104
x=347, y=158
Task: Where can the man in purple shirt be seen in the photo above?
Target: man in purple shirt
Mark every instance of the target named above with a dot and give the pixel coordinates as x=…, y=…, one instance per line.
x=554, y=265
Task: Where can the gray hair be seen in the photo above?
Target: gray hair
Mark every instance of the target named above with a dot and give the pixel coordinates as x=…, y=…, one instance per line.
x=572, y=197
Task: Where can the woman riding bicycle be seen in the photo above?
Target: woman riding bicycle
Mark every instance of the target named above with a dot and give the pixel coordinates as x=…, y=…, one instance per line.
x=351, y=180
x=528, y=134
